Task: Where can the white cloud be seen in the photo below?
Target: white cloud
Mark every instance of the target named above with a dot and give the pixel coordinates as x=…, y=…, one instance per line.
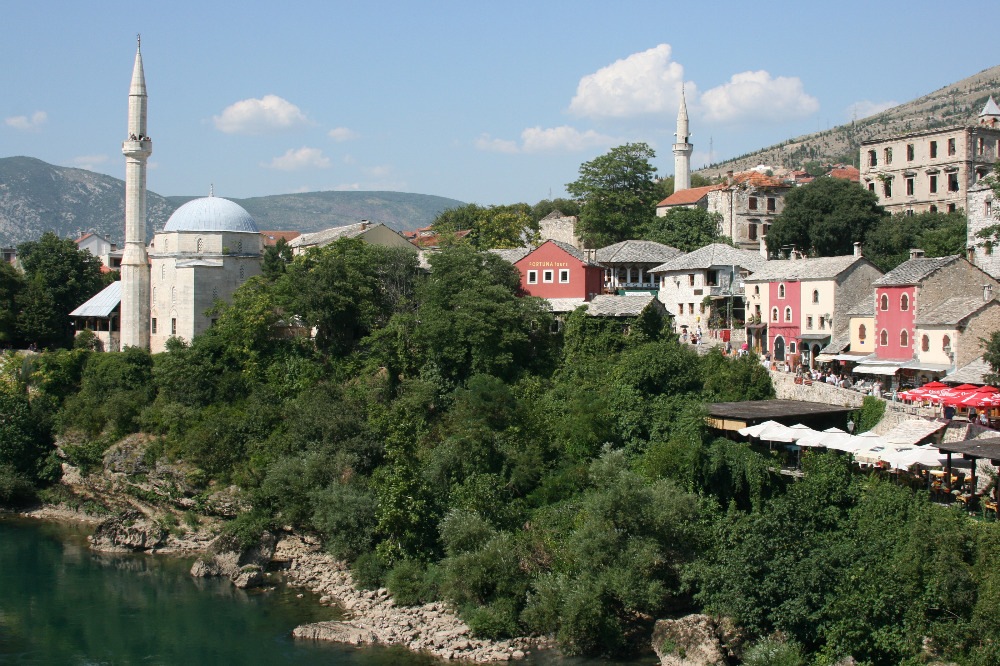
x=377, y=171
x=297, y=160
x=266, y=115
x=865, y=108
x=89, y=161
x=26, y=124
x=346, y=187
x=646, y=82
x=562, y=139
x=489, y=144
x=758, y=96
x=549, y=140
x=349, y=159
x=342, y=134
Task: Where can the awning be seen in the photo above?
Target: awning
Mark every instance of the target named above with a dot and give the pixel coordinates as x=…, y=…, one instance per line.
x=814, y=336
x=825, y=358
x=755, y=326
x=851, y=357
x=931, y=367
x=877, y=369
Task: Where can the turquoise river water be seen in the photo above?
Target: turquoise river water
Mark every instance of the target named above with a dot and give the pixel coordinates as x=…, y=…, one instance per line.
x=62, y=603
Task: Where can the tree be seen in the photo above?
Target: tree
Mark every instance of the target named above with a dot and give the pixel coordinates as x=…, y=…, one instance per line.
x=504, y=226
x=687, y=229
x=11, y=286
x=276, y=258
x=618, y=194
x=888, y=243
x=546, y=206
x=991, y=354
x=60, y=278
x=825, y=217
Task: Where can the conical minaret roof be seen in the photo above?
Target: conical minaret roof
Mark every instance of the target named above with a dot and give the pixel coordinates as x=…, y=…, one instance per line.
x=138, y=86
x=991, y=108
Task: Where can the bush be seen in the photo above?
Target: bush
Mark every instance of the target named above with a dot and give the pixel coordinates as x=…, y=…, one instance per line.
x=773, y=652
x=496, y=620
x=15, y=487
x=369, y=572
x=244, y=531
x=406, y=583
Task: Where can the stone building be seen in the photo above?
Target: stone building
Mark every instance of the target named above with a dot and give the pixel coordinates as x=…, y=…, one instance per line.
x=932, y=170
x=207, y=249
x=717, y=272
x=627, y=265
x=982, y=212
x=376, y=234
x=102, y=248
x=747, y=204
x=804, y=303
x=558, y=227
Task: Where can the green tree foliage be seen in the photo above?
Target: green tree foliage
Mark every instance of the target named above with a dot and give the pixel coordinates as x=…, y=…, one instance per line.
x=687, y=229
x=546, y=206
x=276, y=259
x=59, y=278
x=501, y=226
x=824, y=217
x=991, y=354
x=889, y=242
x=618, y=194
x=11, y=287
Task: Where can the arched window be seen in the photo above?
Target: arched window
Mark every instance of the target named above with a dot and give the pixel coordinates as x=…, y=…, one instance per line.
x=215, y=293
x=239, y=247
x=862, y=332
x=946, y=344
x=884, y=304
x=925, y=343
x=774, y=314
x=884, y=338
x=904, y=339
x=166, y=244
x=904, y=302
x=173, y=294
x=756, y=290
x=788, y=314
x=242, y=273
x=199, y=246
x=781, y=291
x=815, y=295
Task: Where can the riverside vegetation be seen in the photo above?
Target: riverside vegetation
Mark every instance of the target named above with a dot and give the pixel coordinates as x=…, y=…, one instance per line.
x=438, y=435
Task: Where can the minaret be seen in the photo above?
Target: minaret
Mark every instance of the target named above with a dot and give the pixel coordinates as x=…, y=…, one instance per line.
x=682, y=149
x=135, y=264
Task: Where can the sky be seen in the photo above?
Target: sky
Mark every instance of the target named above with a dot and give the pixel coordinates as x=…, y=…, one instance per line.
x=486, y=102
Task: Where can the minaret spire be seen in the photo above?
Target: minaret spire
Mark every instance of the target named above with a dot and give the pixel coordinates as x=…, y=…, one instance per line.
x=135, y=262
x=682, y=149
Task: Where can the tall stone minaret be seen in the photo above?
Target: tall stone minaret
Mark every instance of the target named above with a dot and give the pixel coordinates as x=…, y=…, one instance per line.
x=682, y=149
x=135, y=264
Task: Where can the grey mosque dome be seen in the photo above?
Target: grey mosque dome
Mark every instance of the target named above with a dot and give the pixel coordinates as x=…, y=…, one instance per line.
x=211, y=214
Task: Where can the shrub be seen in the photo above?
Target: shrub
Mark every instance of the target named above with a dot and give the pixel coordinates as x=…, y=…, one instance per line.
x=15, y=487
x=369, y=572
x=496, y=620
x=773, y=652
x=406, y=582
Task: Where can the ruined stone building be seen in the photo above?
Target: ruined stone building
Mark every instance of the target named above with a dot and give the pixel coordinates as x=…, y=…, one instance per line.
x=932, y=170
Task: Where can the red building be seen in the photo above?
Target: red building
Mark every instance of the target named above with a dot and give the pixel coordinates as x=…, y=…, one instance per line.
x=786, y=316
x=558, y=270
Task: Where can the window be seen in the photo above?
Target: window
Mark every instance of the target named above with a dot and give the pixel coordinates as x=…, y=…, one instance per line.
x=791, y=347
x=904, y=302
x=756, y=290
x=951, y=146
x=925, y=343
x=564, y=276
x=933, y=149
x=909, y=152
x=774, y=314
x=163, y=271
x=951, y=208
x=981, y=145
x=680, y=308
x=752, y=203
x=166, y=245
x=953, y=182
x=690, y=279
x=862, y=332
x=154, y=294
x=987, y=208
x=173, y=326
x=884, y=303
x=887, y=188
x=243, y=273
x=690, y=308
x=888, y=155
x=152, y=325
x=532, y=277
x=239, y=247
x=933, y=208
x=772, y=204
x=822, y=323
x=884, y=338
x=701, y=308
x=752, y=230
x=173, y=294
x=909, y=186
x=871, y=187
x=904, y=339
x=547, y=276
x=909, y=212
x=809, y=322
x=946, y=344
x=788, y=314
x=215, y=293
x=872, y=158
x=932, y=186
x=815, y=295
x=781, y=291
x=198, y=246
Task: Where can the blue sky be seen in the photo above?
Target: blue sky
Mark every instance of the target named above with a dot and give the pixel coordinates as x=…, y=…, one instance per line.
x=487, y=102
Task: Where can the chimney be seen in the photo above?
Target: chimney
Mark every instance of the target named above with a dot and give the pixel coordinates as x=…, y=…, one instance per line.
x=857, y=249
x=917, y=253
x=729, y=177
x=364, y=224
x=763, y=248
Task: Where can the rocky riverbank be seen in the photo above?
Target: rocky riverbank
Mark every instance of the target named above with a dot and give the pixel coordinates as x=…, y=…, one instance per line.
x=375, y=619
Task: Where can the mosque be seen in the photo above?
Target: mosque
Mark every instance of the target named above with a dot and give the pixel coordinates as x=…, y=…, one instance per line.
x=207, y=249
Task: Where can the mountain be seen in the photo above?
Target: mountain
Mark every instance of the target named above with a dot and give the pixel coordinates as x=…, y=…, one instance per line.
x=36, y=197
x=955, y=104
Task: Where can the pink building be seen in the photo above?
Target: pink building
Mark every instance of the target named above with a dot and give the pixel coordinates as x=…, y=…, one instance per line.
x=557, y=270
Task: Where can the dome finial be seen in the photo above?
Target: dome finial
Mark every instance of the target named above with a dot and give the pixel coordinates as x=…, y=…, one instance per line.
x=211, y=189
x=138, y=42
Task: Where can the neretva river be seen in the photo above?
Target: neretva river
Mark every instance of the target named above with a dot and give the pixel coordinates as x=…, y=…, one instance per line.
x=62, y=603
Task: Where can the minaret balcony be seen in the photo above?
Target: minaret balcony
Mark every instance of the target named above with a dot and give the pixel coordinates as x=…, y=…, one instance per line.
x=137, y=148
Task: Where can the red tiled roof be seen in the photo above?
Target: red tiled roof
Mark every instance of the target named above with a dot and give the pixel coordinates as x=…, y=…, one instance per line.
x=806, y=180
x=757, y=179
x=847, y=173
x=83, y=238
x=425, y=241
x=687, y=197
x=271, y=237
